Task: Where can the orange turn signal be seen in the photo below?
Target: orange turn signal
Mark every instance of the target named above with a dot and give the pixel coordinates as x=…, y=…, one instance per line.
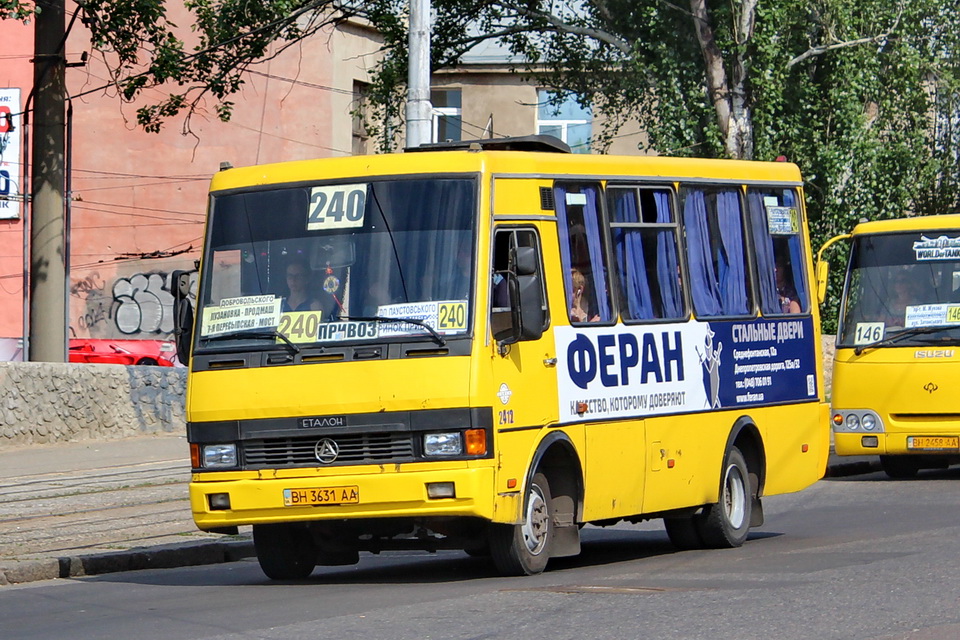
x=195, y=456
x=476, y=441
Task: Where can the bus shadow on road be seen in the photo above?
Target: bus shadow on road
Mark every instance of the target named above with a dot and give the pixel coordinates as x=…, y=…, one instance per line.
x=599, y=547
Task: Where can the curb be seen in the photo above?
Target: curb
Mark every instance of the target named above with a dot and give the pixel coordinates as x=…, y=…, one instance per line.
x=160, y=557
x=217, y=551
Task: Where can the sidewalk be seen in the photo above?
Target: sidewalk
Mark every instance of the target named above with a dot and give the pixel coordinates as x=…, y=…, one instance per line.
x=100, y=507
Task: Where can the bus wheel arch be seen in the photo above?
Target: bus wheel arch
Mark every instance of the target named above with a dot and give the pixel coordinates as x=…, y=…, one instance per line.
x=726, y=523
x=553, y=489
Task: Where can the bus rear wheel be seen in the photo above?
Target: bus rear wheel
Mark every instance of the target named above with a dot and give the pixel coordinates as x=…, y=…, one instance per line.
x=285, y=551
x=899, y=467
x=725, y=524
x=524, y=549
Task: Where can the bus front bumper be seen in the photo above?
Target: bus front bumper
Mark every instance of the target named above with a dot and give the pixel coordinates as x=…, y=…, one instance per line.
x=228, y=499
x=918, y=442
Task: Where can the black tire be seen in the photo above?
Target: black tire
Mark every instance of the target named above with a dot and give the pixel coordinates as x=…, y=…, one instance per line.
x=900, y=467
x=284, y=551
x=725, y=525
x=524, y=549
x=683, y=533
x=148, y=362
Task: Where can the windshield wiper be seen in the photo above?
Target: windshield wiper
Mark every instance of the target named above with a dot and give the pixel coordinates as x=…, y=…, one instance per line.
x=268, y=333
x=904, y=333
x=387, y=319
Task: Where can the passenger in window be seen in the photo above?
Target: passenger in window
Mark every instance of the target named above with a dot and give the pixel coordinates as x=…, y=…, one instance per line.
x=580, y=306
x=301, y=297
x=786, y=292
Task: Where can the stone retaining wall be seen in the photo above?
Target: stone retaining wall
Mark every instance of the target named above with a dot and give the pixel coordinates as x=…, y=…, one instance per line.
x=42, y=403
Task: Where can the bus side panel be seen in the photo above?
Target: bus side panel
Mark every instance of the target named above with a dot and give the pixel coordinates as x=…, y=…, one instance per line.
x=685, y=456
x=616, y=461
x=796, y=444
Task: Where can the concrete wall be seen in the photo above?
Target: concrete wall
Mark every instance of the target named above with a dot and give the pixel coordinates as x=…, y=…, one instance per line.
x=44, y=402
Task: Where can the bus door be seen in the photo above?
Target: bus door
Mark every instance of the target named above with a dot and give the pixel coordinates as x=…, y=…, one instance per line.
x=524, y=373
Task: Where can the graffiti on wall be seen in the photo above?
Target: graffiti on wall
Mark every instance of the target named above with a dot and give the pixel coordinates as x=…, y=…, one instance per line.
x=137, y=305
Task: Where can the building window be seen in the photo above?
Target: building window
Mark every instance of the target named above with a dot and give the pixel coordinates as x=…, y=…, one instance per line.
x=566, y=120
x=359, y=109
x=446, y=115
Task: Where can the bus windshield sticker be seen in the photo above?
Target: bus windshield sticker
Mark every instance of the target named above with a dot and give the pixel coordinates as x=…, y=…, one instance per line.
x=300, y=326
x=239, y=314
x=932, y=315
x=782, y=221
x=942, y=248
x=868, y=333
x=339, y=331
x=445, y=316
x=339, y=206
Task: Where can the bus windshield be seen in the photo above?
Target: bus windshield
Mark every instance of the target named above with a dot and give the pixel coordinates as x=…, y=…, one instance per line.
x=903, y=289
x=330, y=263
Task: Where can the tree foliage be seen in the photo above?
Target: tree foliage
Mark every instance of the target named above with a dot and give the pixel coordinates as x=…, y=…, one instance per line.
x=143, y=48
x=863, y=94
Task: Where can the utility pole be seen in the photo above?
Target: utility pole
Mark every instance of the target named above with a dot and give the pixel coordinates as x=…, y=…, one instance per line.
x=419, y=110
x=47, y=336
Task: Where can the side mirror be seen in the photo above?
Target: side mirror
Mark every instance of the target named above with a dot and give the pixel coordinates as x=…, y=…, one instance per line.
x=525, y=292
x=822, y=267
x=182, y=314
x=822, y=271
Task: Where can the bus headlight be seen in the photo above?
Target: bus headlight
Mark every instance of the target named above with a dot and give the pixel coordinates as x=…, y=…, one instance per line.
x=443, y=444
x=852, y=420
x=217, y=456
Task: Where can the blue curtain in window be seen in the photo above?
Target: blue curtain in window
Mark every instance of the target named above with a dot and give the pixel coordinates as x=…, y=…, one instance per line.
x=733, y=280
x=763, y=245
x=560, y=204
x=591, y=221
x=796, y=252
x=630, y=258
x=667, y=269
x=703, y=278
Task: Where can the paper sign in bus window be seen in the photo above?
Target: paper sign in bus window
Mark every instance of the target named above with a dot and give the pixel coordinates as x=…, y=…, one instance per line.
x=338, y=206
x=868, y=333
x=241, y=314
x=942, y=248
x=782, y=221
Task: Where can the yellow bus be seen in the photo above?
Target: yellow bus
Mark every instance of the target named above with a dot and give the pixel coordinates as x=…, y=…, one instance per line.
x=896, y=364
x=486, y=346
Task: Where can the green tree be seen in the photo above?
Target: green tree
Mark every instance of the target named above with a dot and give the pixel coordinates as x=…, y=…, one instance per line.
x=862, y=94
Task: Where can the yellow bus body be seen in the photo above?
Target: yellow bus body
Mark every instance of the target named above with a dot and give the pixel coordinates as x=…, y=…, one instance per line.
x=636, y=467
x=907, y=388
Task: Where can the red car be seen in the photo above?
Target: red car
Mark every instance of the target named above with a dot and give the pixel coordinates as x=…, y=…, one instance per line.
x=143, y=352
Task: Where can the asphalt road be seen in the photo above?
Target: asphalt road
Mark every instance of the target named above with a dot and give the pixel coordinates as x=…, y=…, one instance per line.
x=860, y=557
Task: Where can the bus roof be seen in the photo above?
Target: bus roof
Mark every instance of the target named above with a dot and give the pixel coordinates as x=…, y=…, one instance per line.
x=914, y=223
x=520, y=163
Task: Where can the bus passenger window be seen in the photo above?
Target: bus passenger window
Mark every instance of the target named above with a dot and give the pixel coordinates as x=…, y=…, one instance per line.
x=775, y=229
x=644, y=234
x=582, y=252
x=715, y=252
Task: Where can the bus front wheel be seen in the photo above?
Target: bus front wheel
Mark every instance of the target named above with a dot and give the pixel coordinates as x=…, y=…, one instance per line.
x=523, y=549
x=725, y=524
x=284, y=551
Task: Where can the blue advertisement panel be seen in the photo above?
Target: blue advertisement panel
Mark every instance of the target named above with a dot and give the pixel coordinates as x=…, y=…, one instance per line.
x=621, y=371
